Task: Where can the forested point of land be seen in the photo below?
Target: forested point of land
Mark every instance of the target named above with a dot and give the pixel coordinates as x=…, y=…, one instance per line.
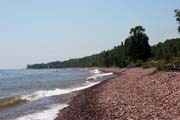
x=166, y=51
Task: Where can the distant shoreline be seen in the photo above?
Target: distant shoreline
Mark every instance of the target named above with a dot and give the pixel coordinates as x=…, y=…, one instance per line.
x=135, y=93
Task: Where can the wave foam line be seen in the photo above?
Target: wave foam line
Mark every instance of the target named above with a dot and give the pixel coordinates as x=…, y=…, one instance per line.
x=99, y=75
x=41, y=94
x=49, y=114
x=12, y=101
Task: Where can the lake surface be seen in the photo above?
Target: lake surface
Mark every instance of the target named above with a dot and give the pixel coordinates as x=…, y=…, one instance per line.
x=28, y=94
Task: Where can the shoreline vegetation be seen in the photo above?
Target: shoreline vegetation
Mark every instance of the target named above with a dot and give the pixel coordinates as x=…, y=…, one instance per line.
x=134, y=94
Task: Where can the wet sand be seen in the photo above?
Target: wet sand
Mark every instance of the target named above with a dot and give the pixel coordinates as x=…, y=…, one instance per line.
x=134, y=94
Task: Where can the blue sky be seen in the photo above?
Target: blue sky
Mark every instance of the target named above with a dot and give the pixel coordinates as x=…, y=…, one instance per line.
x=35, y=31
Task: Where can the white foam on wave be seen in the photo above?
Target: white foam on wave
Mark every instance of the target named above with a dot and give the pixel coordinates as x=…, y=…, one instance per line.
x=99, y=75
x=95, y=71
x=49, y=114
x=41, y=94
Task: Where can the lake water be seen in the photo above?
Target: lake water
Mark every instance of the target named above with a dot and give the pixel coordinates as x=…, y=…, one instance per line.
x=29, y=94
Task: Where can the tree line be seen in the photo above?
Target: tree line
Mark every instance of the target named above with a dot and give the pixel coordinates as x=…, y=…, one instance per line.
x=135, y=49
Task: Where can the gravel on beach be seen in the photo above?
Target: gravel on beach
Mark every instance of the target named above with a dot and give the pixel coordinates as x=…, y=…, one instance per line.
x=135, y=94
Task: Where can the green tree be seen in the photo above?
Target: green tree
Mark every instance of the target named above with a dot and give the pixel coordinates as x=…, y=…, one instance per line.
x=137, y=46
x=138, y=30
x=177, y=15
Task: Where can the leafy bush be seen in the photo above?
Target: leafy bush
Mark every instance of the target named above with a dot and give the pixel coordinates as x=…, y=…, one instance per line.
x=154, y=63
x=172, y=64
x=139, y=63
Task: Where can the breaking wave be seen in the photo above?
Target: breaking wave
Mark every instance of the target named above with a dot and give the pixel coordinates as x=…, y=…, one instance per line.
x=12, y=101
x=7, y=102
x=41, y=94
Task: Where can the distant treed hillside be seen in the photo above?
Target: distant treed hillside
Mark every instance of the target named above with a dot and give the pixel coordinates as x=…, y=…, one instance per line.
x=104, y=59
x=115, y=57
